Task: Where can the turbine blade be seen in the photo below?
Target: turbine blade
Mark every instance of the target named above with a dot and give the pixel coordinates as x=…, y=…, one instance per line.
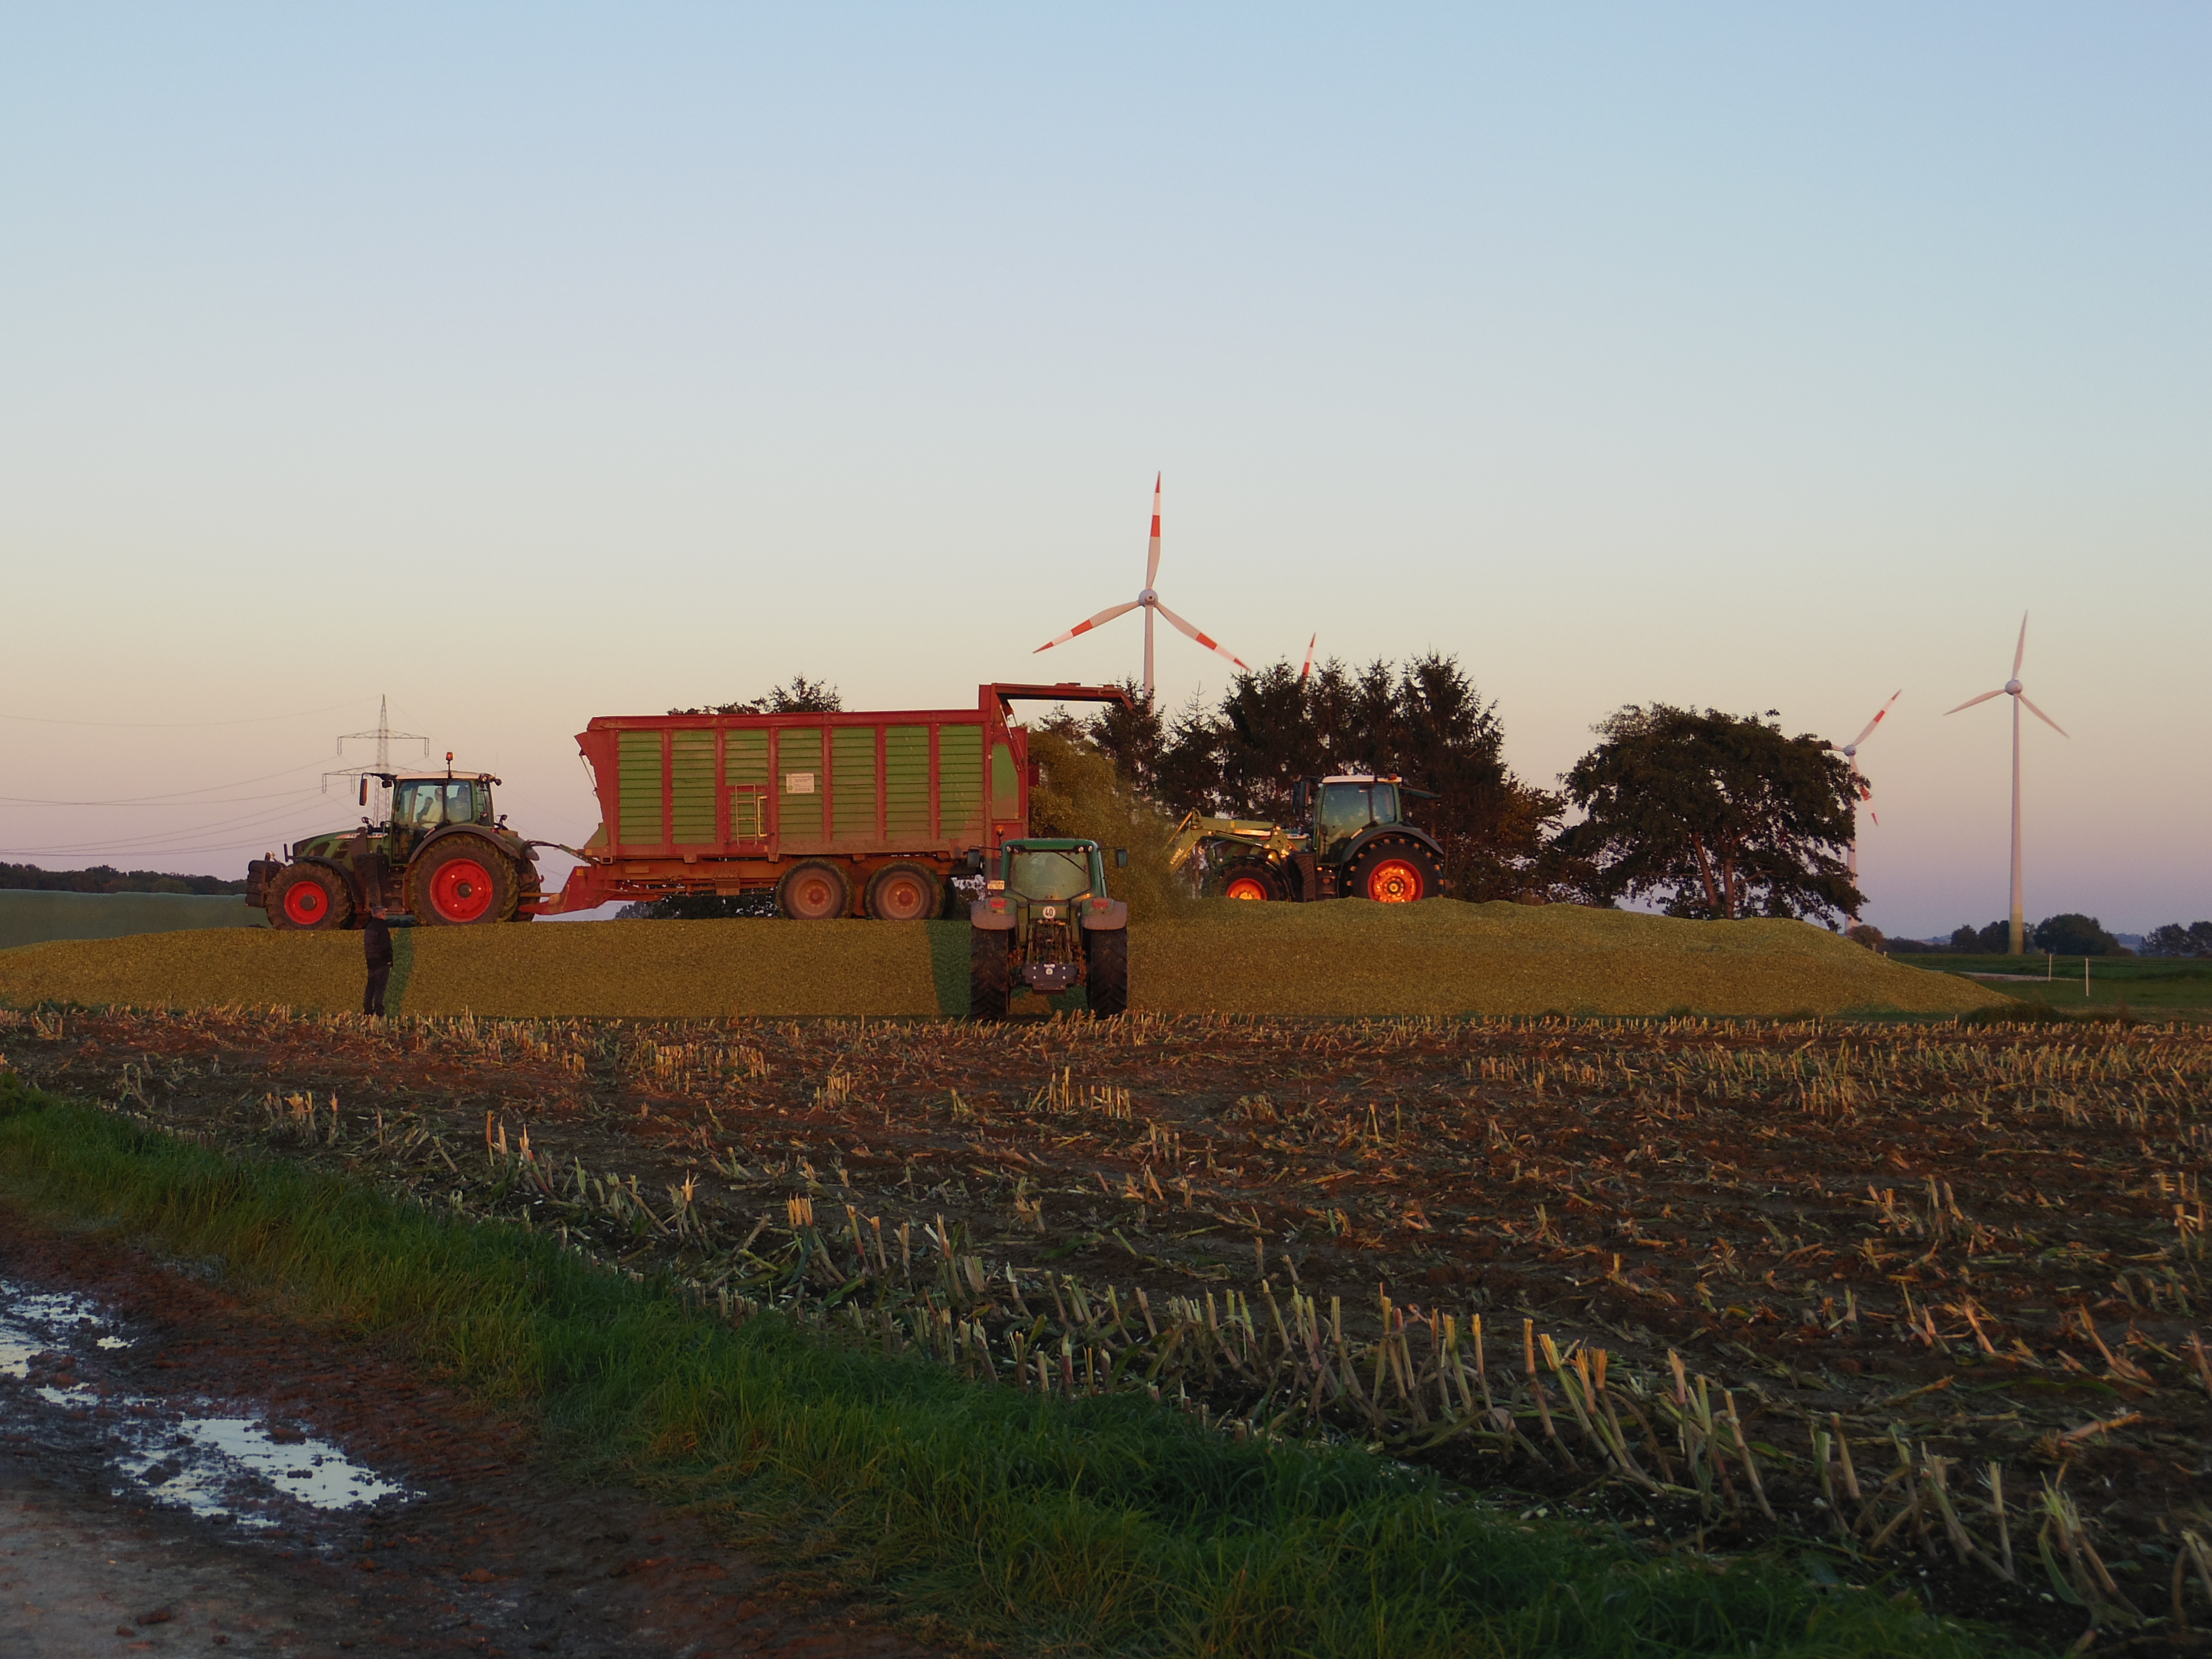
x=1152, y=558
x=1876, y=720
x=2020, y=651
x=2044, y=717
x=1866, y=795
x=1105, y=616
x=1971, y=702
x=1306, y=672
x=1205, y=640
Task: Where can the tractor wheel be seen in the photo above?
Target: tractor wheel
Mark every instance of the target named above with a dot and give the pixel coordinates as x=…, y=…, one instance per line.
x=530, y=892
x=904, y=892
x=1107, y=972
x=310, y=898
x=1396, y=873
x=814, y=891
x=988, y=972
x=459, y=882
x=1252, y=881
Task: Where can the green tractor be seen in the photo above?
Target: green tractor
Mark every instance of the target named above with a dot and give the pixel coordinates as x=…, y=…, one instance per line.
x=1045, y=921
x=1353, y=842
x=444, y=856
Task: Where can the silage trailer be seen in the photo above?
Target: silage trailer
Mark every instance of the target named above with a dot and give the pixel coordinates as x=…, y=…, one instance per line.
x=858, y=813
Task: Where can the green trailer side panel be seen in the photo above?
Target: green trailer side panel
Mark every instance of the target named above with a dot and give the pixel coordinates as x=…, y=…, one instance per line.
x=853, y=781
x=799, y=787
x=744, y=770
x=638, y=781
x=960, y=783
x=906, y=781
x=1005, y=789
x=691, y=787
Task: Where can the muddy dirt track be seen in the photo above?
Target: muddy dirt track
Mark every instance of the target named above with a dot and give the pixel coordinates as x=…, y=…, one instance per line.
x=1952, y=1250
x=482, y=1549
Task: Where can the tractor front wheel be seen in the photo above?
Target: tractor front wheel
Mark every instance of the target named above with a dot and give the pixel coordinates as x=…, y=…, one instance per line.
x=814, y=891
x=989, y=971
x=459, y=882
x=1252, y=881
x=1107, y=972
x=1396, y=873
x=309, y=898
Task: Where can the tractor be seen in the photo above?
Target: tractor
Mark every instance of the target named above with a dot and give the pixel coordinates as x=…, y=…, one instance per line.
x=1354, y=842
x=443, y=856
x=1046, y=920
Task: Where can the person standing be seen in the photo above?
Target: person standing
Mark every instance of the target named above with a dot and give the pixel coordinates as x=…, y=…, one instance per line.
x=376, y=945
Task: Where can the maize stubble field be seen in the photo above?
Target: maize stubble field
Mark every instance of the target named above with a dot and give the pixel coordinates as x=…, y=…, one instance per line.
x=1924, y=1296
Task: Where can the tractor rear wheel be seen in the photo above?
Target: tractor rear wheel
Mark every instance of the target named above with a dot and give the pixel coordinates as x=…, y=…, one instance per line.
x=904, y=892
x=459, y=882
x=1396, y=871
x=988, y=972
x=1107, y=972
x=813, y=891
x=309, y=898
x=1253, y=881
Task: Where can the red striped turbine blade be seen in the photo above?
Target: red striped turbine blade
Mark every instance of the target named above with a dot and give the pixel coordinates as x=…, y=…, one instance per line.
x=1105, y=616
x=1206, y=640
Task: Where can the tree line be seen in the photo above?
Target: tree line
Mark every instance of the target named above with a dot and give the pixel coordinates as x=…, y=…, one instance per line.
x=106, y=879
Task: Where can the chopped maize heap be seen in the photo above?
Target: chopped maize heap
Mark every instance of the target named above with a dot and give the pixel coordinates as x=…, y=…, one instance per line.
x=1349, y=957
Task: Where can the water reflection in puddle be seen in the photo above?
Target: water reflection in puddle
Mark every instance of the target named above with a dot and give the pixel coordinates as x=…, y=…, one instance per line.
x=231, y=1467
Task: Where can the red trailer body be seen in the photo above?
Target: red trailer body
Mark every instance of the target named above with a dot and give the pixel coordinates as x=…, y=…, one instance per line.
x=723, y=803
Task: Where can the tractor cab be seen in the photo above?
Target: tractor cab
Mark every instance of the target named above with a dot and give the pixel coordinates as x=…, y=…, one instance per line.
x=1343, y=808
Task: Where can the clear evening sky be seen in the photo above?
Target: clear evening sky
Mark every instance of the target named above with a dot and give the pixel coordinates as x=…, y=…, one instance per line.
x=530, y=363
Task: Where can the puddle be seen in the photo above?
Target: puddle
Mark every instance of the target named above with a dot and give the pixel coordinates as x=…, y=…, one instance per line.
x=170, y=1452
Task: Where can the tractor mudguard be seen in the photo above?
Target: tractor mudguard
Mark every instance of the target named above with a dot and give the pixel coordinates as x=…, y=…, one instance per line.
x=981, y=915
x=505, y=845
x=1112, y=919
x=1382, y=831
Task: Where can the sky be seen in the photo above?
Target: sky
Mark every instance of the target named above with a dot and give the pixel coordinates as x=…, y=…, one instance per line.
x=524, y=364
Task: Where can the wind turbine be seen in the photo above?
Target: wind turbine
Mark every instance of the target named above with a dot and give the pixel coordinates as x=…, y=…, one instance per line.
x=1306, y=673
x=1151, y=601
x=1850, y=753
x=2012, y=688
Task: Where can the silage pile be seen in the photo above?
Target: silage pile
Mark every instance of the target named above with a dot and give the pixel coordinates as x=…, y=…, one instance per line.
x=1345, y=959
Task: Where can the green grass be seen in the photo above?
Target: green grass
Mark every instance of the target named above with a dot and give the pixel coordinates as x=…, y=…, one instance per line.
x=1107, y=1525
x=2148, y=984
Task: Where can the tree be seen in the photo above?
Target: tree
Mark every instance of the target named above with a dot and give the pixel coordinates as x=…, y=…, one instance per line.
x=2175, y=940
x=1713, y=815
x=801, y=697
x=2071, y=934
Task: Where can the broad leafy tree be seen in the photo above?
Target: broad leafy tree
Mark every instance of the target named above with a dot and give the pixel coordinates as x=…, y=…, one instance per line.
x=1711, y=815
x=2175, y=940
x=2072, y=934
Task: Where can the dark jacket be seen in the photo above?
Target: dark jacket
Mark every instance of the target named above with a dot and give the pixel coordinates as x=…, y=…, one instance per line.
x=376, y=941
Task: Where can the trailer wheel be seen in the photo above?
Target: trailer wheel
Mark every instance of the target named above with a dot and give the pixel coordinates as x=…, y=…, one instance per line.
x=309, y=898
x=814, y=891
x=460, y=882
x=988, y=972
x=904, y=892
x=1396, y=873
x=1252, y=881
x=1107, y=972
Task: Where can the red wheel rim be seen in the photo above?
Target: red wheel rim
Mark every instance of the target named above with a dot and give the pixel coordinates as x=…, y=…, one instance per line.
x=461, y=890
x=814, y=897
x=306, y=904
x=902, y=898
x=1394, y=881
x=1249, y=888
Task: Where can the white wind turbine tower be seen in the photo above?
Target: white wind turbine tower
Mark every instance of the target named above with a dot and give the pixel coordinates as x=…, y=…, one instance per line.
x=1151, y=601
x=1860, y=790
x=2012, y=688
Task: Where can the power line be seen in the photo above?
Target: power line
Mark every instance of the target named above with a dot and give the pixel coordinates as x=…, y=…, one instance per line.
x=183, y=726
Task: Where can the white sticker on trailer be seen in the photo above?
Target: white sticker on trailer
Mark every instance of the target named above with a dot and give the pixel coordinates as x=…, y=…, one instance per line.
x=799, y=783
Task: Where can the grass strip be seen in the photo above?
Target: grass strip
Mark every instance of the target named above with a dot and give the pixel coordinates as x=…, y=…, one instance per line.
x=1041, y=1524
